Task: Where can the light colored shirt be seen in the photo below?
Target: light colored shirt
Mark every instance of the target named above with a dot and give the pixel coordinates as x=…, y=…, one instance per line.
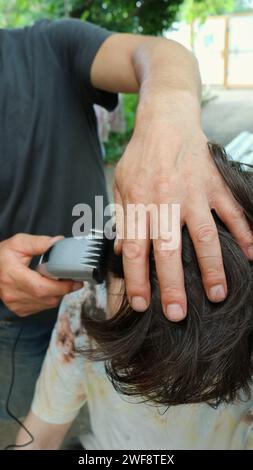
x=68, y=380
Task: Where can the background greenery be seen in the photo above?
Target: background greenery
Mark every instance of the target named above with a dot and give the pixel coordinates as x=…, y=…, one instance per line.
x=138, y=16
x=145, y=16
x=117, y=142
x=148, y=16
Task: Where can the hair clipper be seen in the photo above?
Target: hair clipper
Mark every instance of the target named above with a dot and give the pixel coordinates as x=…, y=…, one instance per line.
x=77, y=258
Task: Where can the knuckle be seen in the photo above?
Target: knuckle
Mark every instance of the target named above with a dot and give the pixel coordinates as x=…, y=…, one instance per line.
x=190, y=181
x=215, y=268
x=206, y=233
x=8, y=298
x=213, y=271
x=135, y=193
x=4, y=279
x=16, y=238
x=66, y=289
x=132, y=250
x=213, y=275
x=172, y=292
x=161, y=186
x=20, y=312
x=247, y=237
x=236, y=213
x=213, y=196
x=137, y=287
x=38, y=291
x=163, y=253
x=53, y=302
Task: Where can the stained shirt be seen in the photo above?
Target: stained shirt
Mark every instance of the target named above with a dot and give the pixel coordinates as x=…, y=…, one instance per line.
x=68, y=380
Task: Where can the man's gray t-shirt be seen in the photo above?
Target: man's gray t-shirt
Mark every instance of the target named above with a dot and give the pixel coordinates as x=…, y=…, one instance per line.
x=50, y=155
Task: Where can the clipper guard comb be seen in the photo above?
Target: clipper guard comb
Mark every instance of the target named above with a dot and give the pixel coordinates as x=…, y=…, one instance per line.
x=77, y=259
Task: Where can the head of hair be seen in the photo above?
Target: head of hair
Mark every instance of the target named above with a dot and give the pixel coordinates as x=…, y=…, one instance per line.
x=207, y=357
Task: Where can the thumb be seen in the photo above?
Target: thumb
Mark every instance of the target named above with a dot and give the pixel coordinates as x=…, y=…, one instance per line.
x=32, y=245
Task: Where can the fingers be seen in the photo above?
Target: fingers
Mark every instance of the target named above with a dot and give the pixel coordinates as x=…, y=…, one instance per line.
x=167, y=252
x=136, y=263
x=135, y=250
x=136, y=270
x=24, y=308
x=233, y=217
x=204, y=235
x=41, y=287
x=32, y=245
x=24, y=303
x=23, y=290
x=171, y=279
x=27, y=292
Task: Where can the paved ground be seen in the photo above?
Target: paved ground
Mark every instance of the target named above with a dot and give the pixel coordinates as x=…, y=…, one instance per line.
x=230, y=112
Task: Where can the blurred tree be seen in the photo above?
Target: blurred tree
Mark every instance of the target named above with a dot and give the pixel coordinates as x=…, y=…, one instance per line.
x=201, y=9
x=145, y=16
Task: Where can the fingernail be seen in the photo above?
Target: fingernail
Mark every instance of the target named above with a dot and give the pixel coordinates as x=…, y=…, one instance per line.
x=175, y=312
x=217, y=293
x=139, y=304
x=250, y=252
x=77, y=286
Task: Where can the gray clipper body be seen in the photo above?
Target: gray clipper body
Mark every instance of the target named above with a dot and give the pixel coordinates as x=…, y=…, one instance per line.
x=77, y=259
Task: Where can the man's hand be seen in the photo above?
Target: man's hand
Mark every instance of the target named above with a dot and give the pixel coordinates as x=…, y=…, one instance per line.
x=167, y=161
x=22, y=290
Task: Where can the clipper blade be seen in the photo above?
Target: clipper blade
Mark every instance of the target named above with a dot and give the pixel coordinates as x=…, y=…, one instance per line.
x=94, y=250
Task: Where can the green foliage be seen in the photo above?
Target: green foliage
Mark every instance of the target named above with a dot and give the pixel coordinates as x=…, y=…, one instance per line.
x=17, y=13
x=201, y=9
x=146, y=16
x=117, y=142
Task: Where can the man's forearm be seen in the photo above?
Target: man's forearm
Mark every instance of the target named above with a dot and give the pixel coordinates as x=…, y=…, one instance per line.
x=131, y=63
x=163, y=62
x=169, y=81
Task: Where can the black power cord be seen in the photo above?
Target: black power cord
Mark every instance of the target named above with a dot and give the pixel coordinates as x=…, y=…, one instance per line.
x=7, y=406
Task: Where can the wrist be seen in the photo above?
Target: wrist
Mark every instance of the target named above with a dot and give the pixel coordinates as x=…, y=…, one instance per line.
x=177, y=108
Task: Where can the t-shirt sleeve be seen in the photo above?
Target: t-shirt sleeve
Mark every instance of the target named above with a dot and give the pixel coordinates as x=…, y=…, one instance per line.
x=60, y=389
x=76, y=43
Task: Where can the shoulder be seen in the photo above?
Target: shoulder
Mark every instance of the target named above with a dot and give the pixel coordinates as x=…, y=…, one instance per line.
x=65, y=27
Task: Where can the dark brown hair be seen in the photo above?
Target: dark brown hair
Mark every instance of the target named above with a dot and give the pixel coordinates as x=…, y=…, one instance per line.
x=207, y=357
